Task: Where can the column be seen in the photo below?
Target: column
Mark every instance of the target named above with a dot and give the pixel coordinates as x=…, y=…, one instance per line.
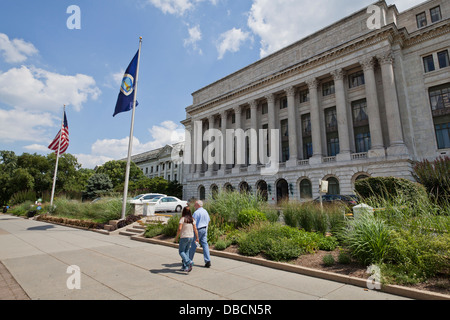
x=253, y=136
x=315, y=121
x=198, y=146
x=341, y=111
x=373, y=110
x=210, y=144
x=396, y=144
x=223, y=146
x=271, y=117
x=292, y=127
x=238, y=141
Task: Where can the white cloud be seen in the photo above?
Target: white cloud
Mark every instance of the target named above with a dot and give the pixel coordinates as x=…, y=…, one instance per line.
x=18, y=125
x=168, y=132
x=231, y=41
x=16, y=50
x=176, y=7
x=30, y=88
x=279, y=23
x=195, y=35
x=37, y=148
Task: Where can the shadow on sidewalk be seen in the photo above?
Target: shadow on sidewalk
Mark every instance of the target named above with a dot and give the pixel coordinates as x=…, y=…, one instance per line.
x=169, y=268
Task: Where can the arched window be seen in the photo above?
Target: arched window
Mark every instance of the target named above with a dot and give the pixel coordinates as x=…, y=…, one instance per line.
x=305, y=189
x=333, y=186
x=202, y=193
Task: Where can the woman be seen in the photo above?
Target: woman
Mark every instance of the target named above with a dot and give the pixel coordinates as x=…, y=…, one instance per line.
x=186, y=231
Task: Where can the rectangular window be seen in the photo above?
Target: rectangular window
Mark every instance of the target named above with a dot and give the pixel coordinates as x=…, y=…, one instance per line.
x=328, y=88
x=421, y=20
x=435, y=14
x=440, y=99
x=304, y=96
x=359, y=110
x=307, y=147
x=356, y=79
x=248, y=113
x=443, y=134
x=443, y=59
x=284, y=132
x=264, y=108
x=440, y=107
x=362, y=139
x=332, y=144
x=283, y=103
x=306, y=125
x=428, y=63
x=331, y=119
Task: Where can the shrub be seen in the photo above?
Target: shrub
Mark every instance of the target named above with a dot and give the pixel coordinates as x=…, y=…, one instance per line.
x=283, y=249
x=435, y=176
x=328, y=260
x=344, y=258
x=170, y=229
x=390, y=188
x=222, y=244
x=229, y=204
x=310, y=217
x=153, y=230
x=249, y=216
x=327, y=243
x=368, y=238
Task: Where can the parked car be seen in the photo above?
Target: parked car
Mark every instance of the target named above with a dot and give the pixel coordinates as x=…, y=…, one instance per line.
x=146, y=198
x=338, y=198
x=168, y=204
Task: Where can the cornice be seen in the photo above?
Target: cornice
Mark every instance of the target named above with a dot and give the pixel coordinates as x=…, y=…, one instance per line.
x=390, y=33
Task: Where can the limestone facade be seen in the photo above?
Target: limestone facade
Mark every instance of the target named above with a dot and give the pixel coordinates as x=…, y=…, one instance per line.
x=350, y=101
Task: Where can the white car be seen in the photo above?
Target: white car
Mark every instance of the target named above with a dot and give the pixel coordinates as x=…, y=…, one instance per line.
x=146, y=198
x=168, y=204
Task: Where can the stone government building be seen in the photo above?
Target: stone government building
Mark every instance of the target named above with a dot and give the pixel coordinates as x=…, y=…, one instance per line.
x=350, y=101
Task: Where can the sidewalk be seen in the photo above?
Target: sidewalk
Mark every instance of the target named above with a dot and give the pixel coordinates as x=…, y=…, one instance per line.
x=115, y=267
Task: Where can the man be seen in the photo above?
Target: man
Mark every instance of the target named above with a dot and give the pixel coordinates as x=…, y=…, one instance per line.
x=202, y=219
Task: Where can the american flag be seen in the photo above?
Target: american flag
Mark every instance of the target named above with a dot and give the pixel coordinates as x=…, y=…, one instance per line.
x=64, y=139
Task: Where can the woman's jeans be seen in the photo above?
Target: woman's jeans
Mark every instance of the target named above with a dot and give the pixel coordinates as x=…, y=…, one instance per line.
x=183, y=249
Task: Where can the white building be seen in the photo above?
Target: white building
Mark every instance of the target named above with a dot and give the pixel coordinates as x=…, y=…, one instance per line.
x=164, y=162
x=353, y=100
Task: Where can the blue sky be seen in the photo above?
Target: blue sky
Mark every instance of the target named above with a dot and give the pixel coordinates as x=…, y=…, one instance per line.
x=187, y=44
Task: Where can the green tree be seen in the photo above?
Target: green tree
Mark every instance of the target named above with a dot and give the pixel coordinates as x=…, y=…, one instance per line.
x=8, y=163
x=97, y=185
x=116, y=172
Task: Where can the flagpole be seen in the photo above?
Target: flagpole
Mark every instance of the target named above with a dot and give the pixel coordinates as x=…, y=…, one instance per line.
x=57, y=157
x=130, y=142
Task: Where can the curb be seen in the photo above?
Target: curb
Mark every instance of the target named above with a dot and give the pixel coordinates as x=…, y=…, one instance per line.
x=392, y=289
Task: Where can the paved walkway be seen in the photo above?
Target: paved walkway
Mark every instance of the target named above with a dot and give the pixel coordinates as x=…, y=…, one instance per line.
x=39, y=255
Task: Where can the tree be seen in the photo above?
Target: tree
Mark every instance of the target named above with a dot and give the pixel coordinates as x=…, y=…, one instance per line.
x=98, y=184
x=116, y=172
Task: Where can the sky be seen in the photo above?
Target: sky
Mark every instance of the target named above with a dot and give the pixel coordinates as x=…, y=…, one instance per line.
x=52, y=55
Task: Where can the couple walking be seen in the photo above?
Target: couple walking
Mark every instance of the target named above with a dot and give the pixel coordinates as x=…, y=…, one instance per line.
x=190, y=226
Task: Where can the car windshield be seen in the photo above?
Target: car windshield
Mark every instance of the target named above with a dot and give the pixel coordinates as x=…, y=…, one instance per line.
x=156, y=199
x=137, y=197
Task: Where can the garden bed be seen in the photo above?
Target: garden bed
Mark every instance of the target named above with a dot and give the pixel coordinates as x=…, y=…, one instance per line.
x=438, y=284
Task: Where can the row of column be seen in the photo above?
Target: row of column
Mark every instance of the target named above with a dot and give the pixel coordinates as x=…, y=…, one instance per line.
x=396, y=146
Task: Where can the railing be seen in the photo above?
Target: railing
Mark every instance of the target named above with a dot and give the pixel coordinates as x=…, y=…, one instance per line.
x=329, y=159
x=358, y=156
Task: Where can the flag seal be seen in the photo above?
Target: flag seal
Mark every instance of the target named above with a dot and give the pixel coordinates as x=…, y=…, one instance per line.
x=127, y=86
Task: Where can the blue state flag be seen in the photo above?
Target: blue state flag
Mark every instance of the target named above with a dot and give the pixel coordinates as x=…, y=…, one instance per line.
x=127, y=88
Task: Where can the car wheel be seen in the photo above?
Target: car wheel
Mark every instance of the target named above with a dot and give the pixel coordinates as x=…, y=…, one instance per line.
x=178, y=209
